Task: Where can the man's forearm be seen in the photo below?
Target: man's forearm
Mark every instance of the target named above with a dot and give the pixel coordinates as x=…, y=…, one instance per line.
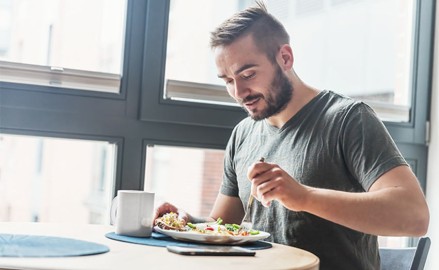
x=391, y=212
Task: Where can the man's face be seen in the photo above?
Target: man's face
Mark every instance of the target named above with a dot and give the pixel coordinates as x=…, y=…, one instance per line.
x=276, y=97
x=257, y=84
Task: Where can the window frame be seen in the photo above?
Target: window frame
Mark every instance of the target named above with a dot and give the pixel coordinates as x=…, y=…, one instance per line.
x=38, y=110
x=154, y=107
x=50, y=79
x=411, y=137
x=415, y=131
x=139, y=114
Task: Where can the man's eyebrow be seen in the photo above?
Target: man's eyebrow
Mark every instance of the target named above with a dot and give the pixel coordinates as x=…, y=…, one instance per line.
x=239, y=70
x=244, y=67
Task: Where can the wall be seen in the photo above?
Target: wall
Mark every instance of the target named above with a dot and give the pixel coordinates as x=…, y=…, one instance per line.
x=433, y=160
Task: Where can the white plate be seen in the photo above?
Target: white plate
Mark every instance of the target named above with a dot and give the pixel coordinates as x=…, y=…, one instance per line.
x=212, y=239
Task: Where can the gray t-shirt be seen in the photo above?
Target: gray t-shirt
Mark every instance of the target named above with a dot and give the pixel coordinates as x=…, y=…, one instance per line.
x=333, y=142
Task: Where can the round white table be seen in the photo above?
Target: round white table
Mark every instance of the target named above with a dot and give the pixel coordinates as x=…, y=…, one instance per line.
x=132, y=256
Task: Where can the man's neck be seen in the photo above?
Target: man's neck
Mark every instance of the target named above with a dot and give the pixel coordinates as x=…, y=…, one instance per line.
x=302, y=94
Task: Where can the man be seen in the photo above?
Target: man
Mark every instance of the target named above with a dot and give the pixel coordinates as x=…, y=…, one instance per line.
x=332, y=178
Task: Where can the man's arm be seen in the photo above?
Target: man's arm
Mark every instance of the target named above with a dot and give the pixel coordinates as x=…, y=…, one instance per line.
x=393, y=206
x=228, y=208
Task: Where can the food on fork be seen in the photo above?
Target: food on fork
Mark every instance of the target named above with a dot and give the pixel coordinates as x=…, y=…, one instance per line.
x=171, y=221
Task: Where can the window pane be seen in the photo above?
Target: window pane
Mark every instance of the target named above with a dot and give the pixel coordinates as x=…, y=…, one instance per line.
x=55, y=180
x=67, y=35
x=393, y=242
x=188, y=42
x=187, y=177
x=336, y=46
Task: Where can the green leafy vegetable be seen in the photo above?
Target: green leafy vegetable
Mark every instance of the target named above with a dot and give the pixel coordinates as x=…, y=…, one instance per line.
x=232, y=227
x=190, y=225
x=253, y=232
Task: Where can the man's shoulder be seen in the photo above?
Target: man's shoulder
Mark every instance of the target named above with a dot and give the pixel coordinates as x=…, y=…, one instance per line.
x=340, y=103
x=340, y=99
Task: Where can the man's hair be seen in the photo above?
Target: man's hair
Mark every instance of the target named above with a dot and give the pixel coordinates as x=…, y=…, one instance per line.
x=268, y=33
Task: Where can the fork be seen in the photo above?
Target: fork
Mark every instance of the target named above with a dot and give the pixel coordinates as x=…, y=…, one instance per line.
x=246, y=223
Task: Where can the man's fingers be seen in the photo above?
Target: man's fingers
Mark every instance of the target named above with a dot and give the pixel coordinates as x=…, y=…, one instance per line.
x=163, y=209
x=257, y=168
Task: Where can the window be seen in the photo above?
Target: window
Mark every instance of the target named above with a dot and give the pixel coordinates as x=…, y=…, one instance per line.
x=55, y=180
x=394, y=242
x=65, y=43
x=139, y=115
x=370, y=60
x=385, y=62
x=197, y=171
x=339, y=47
x=198, y=83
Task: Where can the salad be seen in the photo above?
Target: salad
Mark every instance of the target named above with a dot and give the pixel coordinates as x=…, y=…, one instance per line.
x=170, y=221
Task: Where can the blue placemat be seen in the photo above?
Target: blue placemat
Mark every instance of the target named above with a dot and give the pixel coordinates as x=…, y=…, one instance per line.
x=20, y=245
x=161, y=240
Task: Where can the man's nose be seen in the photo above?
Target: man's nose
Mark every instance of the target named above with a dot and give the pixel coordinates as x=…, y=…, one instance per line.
x=240, y=89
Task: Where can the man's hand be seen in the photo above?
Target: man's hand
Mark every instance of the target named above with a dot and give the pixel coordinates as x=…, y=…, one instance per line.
x=166, y=208
x=270, y=182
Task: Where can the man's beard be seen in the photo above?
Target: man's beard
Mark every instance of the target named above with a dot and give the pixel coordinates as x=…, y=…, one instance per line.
x=277, y=98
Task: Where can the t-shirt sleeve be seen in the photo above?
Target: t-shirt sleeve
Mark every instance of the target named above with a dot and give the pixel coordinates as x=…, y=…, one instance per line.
x=367, y=145
x=229, y=185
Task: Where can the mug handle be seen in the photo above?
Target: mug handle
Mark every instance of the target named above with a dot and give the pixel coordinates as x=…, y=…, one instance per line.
x=113, y=210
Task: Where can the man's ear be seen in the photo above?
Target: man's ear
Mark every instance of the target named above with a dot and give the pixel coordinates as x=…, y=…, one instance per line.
x=285, y=57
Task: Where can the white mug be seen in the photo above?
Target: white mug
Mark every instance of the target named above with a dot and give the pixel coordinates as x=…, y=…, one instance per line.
x=132, y=213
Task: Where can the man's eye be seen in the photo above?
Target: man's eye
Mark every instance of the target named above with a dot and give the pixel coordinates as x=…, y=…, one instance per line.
x=249, y=76
x=228, y=81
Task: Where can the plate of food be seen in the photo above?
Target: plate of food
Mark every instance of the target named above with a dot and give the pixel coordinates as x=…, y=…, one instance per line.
x=207, y=233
